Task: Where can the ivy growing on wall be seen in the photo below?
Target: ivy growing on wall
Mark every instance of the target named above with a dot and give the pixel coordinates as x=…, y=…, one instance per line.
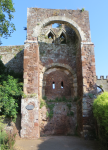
x=50, y=105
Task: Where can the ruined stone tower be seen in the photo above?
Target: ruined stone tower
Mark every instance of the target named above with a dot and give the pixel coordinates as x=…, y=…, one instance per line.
x=59, y=63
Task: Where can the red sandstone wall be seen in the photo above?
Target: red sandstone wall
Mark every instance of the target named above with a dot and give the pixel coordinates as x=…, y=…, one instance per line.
x=37, y=15
x=57, y=77
x=84, y=71
x=79, y=89
x=61, y=123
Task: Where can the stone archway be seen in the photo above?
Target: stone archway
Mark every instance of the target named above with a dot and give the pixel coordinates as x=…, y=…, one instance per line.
x=65, y=69
x=59, y=19
x=64, y=117
x=85, y=64
x=62, y=122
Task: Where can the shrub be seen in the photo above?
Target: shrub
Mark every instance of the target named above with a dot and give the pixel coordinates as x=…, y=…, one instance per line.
x=7, y=140
x=10, y=92
x=82, y=9
x=100, y=110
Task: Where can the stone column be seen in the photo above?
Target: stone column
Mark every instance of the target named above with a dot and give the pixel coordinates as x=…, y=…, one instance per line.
x=29, y=103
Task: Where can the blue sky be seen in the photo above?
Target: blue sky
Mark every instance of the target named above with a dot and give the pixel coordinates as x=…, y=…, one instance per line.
x=98, y=16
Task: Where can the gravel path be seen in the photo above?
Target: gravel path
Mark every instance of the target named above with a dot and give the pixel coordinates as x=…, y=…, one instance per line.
x=57, y=143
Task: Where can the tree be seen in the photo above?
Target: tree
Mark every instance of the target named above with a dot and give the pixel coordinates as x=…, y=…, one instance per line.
x=6, y=10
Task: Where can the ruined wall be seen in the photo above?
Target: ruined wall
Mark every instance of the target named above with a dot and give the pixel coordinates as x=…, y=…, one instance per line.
x=56, y=52
x=63, y=122
x=30, y=129
x=30, y=117
x=42, y=54
x=57, y=78
x=89, y=89
x=60, y=48
x=52, y=51
x=79, y=88
x=36, y=16
x=12, y=57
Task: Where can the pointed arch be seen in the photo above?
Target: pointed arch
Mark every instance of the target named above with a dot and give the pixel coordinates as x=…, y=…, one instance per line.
x=63, y=37
x=51, y=33
x=62, y=31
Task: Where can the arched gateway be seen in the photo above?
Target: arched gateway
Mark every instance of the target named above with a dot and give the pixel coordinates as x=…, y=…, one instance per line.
x=59, y=67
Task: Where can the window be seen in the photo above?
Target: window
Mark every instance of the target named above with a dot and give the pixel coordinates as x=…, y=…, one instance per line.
x=50, y=35
x=62, y=38
x=53, y=85
x=62, y=85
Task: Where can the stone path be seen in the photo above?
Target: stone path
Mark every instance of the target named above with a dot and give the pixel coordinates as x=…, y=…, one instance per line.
x=57, y=143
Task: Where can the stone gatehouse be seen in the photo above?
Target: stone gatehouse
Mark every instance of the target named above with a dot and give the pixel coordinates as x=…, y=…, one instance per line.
x=59, y=71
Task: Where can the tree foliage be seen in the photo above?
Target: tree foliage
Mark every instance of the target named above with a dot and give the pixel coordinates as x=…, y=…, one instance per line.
x=59, y=25
x=10, y=92
x=6, y=10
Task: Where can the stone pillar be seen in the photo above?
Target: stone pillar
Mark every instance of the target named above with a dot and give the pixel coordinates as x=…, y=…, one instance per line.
x=29, y=103
x=89, y=86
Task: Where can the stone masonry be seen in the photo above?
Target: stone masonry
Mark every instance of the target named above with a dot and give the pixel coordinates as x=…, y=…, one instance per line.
x=102, y=82
x=47, y=61
x=58, y=63
x=12, y=57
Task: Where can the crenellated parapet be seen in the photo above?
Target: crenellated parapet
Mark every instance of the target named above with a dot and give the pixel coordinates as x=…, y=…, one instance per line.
x=102, y=78
x=103, y=82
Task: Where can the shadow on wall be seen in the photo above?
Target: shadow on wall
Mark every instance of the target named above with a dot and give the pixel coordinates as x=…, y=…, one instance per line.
x=64, y=120
x=12, y=57
x=16, y=63
x=60, y=117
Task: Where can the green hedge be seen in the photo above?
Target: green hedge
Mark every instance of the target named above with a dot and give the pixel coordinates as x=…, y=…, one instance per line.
x=100, y=111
